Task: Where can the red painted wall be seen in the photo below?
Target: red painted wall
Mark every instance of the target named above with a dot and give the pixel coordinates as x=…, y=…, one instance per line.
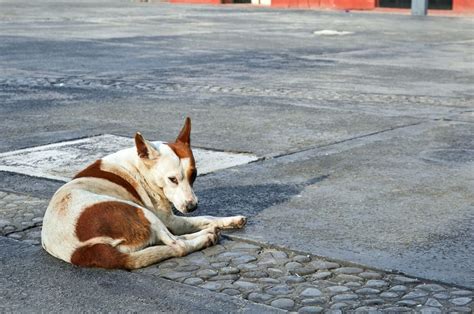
x=280, y=3
x=349, y=4
x=458, y=5
x=197, y=1
x=463, y=5
x=333, y=4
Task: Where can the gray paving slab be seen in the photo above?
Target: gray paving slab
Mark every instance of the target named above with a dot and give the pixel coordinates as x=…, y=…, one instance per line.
x=33, y=281
x=24, y=184
x=397, y=200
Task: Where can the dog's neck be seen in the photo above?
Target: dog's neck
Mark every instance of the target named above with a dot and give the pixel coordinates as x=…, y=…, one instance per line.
x=125, y=164
x=156, y=195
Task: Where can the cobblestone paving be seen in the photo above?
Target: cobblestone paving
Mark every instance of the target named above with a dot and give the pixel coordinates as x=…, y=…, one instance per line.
x=294, y=282
x=281, y=279
x=152, y=85
x=21, y=217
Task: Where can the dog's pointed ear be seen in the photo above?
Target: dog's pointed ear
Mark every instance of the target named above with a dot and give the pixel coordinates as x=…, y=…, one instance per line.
x=144, y=148
x=185, y=134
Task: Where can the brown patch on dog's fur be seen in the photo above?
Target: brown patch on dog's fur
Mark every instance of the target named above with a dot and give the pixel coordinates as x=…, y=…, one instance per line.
x=94, y=171
x=140, y=144
x=184, y=151
x=182, y=148
x=192, y=174
x=116, y=220
x=185, y=133
x=63, y=204
x=100, y=255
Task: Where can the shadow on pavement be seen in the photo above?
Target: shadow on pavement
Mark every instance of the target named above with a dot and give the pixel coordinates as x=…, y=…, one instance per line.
x=248, y=200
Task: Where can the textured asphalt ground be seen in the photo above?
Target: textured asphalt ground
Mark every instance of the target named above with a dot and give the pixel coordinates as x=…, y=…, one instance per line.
x=366, y=138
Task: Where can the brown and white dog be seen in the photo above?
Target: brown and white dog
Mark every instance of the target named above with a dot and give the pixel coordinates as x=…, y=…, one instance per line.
x=117, y=213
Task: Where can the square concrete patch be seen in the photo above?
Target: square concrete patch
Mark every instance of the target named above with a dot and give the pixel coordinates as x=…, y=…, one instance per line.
x=61, y=161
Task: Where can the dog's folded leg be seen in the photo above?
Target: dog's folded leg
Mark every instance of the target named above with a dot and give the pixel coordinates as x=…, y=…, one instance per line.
x=201, y=242
x=162, y=234
x=155, y=254
x=151, y=255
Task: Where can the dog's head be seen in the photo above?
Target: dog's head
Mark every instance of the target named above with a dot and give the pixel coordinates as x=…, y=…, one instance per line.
x=171, y=168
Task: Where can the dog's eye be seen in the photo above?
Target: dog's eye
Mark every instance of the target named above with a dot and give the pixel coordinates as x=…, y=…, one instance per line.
x=173, y=179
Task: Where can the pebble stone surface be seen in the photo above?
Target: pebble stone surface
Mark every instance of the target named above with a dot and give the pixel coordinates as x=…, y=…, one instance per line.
x=281, y=279
x=21, y=217
x=286, y=280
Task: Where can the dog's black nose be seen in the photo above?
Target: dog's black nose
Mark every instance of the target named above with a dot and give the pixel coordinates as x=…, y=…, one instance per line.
x=191, y=206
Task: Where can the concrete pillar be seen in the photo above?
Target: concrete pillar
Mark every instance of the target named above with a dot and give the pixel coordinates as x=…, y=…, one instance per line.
x=419, y=7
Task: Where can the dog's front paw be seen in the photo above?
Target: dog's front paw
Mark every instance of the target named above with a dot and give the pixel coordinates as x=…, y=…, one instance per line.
x=179, y=247
x=213, y=230
x=212, y=239
x=239, y=222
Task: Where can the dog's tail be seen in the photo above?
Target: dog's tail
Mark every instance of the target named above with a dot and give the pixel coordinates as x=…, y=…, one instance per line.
x=107, y=255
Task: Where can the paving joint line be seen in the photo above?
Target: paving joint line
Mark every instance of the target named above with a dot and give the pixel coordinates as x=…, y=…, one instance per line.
x=10, y=191
x=345, y=140
x=36, y=225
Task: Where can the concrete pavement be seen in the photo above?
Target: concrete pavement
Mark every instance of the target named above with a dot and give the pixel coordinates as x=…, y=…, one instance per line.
x=365, y=139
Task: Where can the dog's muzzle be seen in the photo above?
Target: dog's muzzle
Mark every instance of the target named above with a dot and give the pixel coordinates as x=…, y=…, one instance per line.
x=191, y=206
